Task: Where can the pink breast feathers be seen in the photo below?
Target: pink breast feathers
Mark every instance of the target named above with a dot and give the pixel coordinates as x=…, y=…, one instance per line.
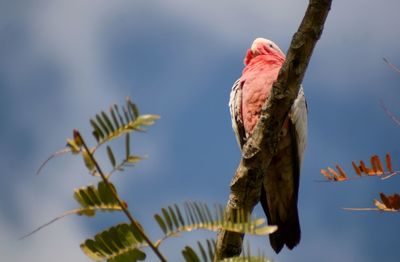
x=258, y=78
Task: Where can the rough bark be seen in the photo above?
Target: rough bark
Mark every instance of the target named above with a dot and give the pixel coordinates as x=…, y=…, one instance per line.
x=246, y=184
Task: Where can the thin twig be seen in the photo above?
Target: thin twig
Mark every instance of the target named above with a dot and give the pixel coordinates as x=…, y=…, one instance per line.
x=390, y=175
x=390, y=113
x=395, y=68
x=361, y=208
x=57, y=153
x=369, y=209
x=70, y=212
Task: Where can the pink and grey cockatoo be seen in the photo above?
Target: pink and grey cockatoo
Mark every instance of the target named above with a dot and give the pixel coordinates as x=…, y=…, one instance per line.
x=280, y=187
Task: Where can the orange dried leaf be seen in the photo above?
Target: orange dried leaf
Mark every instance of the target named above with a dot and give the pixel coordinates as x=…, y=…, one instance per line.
x=368, y=171
x=385, y=200
x=379, y=205
x=389, y=163
x=343, y=175
x=376, y=165
x=373, y=163
x=363, y=168
x=380, y=166
x=356, y=168
x=326, y=174
x=334, y=174
x=394, y=201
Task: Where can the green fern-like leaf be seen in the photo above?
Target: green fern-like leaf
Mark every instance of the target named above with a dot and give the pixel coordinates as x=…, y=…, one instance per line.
x=206, y=253
x=106, y=127
x=190, y=255
x=199, y=216
x=88, y=161
x=111, y=156
x=109, y=126
x=129, y=160
x=246, y=259
x=92, y=199
x=116, y=244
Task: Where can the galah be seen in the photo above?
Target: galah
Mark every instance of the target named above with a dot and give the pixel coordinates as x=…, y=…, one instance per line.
x=279, y=192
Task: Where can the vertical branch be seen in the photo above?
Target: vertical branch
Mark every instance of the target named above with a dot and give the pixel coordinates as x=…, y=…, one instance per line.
x=134, y=223
x=246, y=184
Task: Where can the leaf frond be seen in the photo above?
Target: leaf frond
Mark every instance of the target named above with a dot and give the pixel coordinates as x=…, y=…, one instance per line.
x=206, y=253
x=118, y=243
x=112, y=125
x=92, y=199
x=106, y=127
x=199, y=216
x=247, y=259
x=383, y=169
x=128, y=161
x=388, y=203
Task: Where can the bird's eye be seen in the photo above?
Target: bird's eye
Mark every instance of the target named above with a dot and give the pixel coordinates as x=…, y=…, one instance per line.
x=270, y=45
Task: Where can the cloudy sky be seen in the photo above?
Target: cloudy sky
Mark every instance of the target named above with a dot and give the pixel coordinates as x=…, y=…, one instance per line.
x=61, y=62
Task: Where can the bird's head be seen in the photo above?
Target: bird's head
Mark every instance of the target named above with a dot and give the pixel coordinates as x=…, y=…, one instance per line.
x=262, y=46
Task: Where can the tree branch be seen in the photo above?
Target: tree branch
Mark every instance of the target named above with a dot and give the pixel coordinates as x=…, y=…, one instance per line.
x=261, y=147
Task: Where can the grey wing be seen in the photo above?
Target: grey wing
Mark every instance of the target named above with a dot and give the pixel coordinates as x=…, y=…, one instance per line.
x=235, y=108
x=281, y=182
x=298, y=116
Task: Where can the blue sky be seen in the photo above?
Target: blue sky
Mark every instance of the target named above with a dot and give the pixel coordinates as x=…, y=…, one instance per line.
x=61, y=62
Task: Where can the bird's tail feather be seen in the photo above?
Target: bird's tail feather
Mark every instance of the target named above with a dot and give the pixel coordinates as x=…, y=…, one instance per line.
x=288, y=232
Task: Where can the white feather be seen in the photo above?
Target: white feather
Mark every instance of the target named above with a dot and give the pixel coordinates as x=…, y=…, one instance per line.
x=298, y=116
x=235, y=107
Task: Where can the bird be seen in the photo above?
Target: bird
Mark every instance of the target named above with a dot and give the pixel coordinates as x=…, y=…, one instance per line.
x=280, y=187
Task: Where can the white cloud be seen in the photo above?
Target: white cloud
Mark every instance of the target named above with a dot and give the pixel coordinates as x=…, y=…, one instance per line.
x=235, y=22
x=65, y=31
